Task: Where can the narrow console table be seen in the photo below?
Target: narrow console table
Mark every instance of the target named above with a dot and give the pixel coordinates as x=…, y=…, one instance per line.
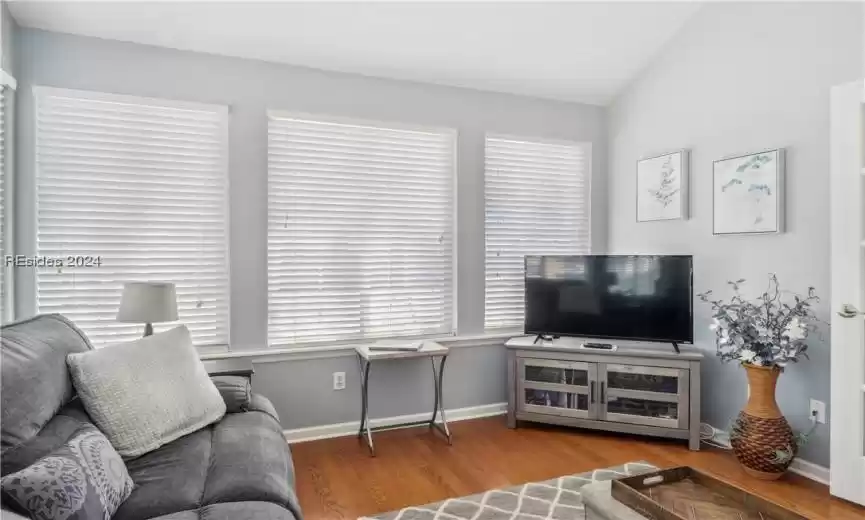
x=646, y=389
x=431, y=350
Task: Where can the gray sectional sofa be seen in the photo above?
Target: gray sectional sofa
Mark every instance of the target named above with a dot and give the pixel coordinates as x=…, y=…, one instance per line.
x=238, y=468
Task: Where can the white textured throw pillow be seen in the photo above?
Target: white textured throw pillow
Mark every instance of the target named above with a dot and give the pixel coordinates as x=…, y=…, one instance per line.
x=147, y=392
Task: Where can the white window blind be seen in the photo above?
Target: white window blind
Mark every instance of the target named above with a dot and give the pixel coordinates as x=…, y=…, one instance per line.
x=360, y=231
x=537, y=203
x=139, y=184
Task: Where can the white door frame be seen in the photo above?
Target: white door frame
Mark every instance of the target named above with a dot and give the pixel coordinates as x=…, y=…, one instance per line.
x=847, y=429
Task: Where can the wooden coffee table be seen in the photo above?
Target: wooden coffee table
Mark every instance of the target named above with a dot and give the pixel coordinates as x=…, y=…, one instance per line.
x=681, y=493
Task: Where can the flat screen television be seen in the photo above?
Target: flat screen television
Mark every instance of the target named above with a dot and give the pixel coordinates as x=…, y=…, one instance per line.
x=639, y=297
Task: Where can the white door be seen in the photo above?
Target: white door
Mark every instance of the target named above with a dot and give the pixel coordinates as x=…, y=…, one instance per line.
x=847, y=427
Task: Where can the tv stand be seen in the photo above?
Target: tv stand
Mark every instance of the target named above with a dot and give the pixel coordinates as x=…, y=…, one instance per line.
x=640, y=389
x=676, y=347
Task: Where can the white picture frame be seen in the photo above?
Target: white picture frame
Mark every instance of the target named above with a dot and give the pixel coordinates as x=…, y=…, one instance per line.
x=748, y=193
x=662, y=187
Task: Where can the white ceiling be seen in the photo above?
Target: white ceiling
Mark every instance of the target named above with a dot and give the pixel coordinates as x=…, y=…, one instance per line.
x=585, y=51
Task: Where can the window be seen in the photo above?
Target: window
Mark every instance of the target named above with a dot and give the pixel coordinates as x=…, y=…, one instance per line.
x=360, y=231
x=134, y=189
x=537, y=203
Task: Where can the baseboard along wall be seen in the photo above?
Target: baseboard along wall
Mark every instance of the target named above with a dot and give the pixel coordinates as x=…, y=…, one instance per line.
x=328, y=431
x=811, y=471
x=799, y=466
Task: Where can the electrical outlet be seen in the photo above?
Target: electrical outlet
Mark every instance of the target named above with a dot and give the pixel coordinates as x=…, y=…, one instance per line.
x=339, y=380
x=818, y=411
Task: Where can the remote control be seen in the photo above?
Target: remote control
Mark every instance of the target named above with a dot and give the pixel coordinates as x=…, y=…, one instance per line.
x=599, y=346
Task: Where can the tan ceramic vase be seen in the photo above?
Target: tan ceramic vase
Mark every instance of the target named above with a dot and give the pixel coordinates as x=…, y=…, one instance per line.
x=762, y=427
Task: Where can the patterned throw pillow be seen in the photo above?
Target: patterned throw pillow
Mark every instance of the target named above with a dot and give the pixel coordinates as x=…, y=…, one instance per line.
x=83, y=479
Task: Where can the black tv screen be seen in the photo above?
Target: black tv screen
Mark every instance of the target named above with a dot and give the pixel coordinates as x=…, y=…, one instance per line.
x=646, y=298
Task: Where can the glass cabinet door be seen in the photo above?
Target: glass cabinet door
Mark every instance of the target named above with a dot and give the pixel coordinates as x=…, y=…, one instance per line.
x=555, y=374
x=642, y=411
x=642, y=379
x=552, y=398
x=556, y=387
x=651, y=396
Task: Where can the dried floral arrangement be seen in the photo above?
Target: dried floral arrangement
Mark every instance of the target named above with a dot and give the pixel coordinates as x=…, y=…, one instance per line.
x=768, y=331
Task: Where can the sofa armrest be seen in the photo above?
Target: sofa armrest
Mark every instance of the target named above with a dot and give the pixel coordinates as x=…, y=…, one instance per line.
x=259, y=403
x=236, y=391
x=229, y=367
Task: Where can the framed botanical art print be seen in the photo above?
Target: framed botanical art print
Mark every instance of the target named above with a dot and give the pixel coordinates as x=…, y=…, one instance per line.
x=662, y=187
x=748, y=193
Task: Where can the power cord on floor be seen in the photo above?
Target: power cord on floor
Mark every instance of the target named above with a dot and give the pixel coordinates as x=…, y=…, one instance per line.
x=721, y=439
x=709, y=435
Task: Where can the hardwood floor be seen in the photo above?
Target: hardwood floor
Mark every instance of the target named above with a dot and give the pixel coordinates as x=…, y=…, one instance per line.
x=336, y=478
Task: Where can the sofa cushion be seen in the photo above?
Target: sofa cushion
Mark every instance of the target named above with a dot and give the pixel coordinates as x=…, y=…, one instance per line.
x=146, y=393
x=35, y=381
x=251, y=461
x=242, y=458
x=54, y=435
x=8, y=514
x=168, y=479
x=84, y=479
x=233, y=511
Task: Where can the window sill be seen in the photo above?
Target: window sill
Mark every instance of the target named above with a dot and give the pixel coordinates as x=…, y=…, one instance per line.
x=277, y=354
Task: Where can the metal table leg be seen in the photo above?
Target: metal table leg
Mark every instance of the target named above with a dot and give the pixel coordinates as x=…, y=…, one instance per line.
x=363, y=365
x=438, y=407
x=365, y=430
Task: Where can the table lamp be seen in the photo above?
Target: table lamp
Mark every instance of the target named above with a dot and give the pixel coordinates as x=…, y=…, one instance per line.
x=148, y=303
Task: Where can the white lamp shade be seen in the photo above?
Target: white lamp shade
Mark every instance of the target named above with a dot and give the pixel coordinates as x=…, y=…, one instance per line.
x=147, y=302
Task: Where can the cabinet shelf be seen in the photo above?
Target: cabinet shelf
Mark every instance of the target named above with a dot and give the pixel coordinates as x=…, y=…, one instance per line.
x=656, y=394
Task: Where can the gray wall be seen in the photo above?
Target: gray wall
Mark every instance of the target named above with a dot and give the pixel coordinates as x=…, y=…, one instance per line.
x=740, y=78
x=8, y=34
x=301, y=390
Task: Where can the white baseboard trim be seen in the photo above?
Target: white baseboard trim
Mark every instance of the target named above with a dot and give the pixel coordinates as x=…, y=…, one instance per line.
x=328, y=431
x=799, y=466
x=810, y=470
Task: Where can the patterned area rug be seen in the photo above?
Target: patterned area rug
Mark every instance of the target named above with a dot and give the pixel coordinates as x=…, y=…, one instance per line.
x=556, y=499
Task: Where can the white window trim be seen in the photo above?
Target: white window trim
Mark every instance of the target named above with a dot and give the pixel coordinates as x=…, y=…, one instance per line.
x=40, y=90
x=223, y=110
x=536, y=139
x=7, y=80
x=280, y=354
x=8, y=305
x=348, y=120
x=341, y=347
x=587, y=147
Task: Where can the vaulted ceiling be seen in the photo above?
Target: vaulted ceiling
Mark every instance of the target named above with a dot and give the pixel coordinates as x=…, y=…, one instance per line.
x=580, y=51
